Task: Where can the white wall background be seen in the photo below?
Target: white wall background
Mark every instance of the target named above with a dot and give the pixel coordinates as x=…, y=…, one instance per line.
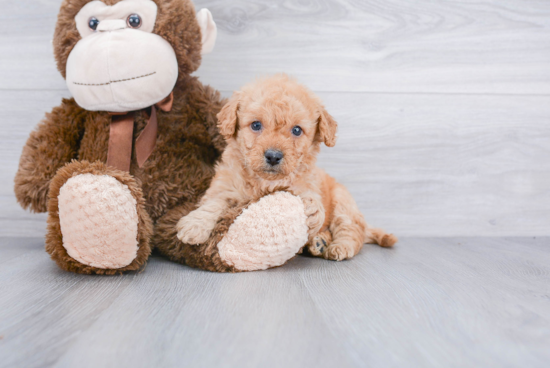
x=444, y=106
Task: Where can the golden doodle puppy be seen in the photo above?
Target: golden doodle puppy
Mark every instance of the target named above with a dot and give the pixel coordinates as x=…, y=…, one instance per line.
x=273, y=128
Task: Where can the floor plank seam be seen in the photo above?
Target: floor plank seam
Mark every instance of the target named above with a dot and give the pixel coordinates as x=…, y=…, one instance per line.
x=81, y=332
x=354, y=356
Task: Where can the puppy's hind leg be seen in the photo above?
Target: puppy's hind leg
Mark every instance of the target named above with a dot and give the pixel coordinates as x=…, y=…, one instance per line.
x=347, y=226
x=320, y=243
x=349, y=229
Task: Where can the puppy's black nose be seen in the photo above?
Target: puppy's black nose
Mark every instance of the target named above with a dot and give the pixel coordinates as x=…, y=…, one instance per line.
x=273, y=157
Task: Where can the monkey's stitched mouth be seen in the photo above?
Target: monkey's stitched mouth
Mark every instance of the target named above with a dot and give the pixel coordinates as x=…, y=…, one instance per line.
x=115, y=81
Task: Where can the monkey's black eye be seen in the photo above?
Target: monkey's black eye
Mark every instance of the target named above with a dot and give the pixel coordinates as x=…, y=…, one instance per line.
x=93, y=23
x=297, y=131
x=256, y=126
x=134, y=21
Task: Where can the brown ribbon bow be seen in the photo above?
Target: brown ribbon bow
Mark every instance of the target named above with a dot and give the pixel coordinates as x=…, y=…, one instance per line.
x=121, y=137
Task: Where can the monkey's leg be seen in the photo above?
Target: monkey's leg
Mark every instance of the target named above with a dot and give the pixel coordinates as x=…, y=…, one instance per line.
x=97, y=223
x=255, y=236
x=204, y=256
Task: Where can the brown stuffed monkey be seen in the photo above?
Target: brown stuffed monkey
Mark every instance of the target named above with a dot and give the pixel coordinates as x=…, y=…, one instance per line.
x=119, y=164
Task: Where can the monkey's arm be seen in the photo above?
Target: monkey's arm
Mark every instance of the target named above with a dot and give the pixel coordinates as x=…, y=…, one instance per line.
x=52, y=144
x=208, y=103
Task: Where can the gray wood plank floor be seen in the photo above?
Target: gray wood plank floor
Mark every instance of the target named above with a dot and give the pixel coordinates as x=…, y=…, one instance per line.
x=430, y=302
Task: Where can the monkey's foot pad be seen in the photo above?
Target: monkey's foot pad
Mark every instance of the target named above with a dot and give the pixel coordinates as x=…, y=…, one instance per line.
x=266, y=234
x=99, y=221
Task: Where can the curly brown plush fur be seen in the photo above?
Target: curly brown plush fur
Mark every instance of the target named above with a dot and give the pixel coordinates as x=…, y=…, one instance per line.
x=178, y=171
x=176, y=174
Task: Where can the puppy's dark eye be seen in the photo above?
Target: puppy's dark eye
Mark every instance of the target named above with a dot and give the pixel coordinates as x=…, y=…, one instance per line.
x=256, y=126
x=134, y=21
x=93, y=23
x=297, y=131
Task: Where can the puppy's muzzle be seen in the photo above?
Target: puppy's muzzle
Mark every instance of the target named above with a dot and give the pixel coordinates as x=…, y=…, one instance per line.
x=273, y=157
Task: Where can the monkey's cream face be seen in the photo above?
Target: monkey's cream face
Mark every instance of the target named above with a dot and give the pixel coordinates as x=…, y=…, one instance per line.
x=119, y=64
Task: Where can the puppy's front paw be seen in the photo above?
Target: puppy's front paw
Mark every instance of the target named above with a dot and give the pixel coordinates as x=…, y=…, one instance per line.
x=338, y=252
x=315, y=213
x=192, y=230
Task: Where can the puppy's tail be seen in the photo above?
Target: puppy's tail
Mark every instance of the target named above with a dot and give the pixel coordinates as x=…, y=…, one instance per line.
x=380, y=237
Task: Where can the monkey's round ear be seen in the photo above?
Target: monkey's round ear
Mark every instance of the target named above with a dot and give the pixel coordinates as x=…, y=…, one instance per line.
x=327, y=128
x=227, y=117
x=209, y=31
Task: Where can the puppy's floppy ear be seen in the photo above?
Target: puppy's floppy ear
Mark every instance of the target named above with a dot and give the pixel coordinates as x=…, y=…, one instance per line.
x=327, y=127
x=227, y=117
